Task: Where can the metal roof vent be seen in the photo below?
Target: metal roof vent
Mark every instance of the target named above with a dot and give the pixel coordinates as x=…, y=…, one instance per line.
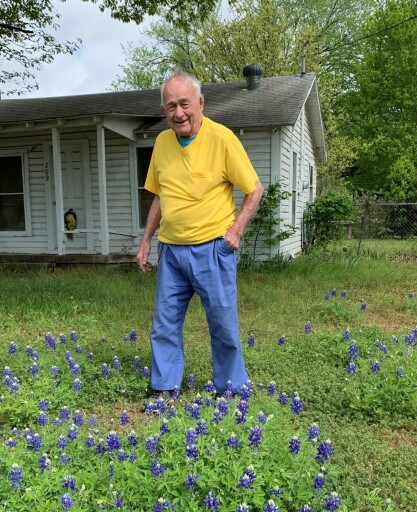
x=253, y=74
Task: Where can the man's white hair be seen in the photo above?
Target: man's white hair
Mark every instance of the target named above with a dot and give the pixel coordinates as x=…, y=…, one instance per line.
x=185, y=77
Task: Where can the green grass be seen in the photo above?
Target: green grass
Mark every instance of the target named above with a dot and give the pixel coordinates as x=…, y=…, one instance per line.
x=371, y=422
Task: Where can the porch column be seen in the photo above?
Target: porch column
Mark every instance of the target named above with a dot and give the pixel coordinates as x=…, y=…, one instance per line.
x=59, y=199
x=102, y=184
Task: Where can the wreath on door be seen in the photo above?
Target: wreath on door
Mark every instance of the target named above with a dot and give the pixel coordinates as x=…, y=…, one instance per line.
x=70, y=221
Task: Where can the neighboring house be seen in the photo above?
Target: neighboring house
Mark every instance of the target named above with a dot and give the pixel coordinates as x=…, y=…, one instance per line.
x=90, y=153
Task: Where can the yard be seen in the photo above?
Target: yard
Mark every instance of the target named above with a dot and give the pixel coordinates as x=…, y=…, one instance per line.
x=333, y=332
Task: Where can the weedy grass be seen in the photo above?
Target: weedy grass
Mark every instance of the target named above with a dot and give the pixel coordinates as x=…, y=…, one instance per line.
x=338, y=330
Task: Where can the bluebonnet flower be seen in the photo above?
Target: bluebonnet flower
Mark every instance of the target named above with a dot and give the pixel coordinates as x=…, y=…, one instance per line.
x=103, y=340
x=111, y=471
x=190, y=436
x=255, y=436
x=105, y=370
x=283, y=399
x=276, y=491
x=163, y=504
x=78, y=418
x=240, y=417
x=297, y=405
x=353, y=351
x=65, y=413
x=375, y=367
x=334, y=292
x=261, y=417
x=218, y=416
x=363, y=305
x=124, y=418
x=308, y=328
x=191, y=451
x=132, y=336
x=43, y=404
x=54, y=371
x=12, y=348
x=113, y=441
x=62, y=338
x=44, y=463
x=133, y=457
x=14, y=386
x=76, y=370
x=136, y=363
x=35, y=356
x=228, y=392
x=313, y=432
x=146, y=373
x=100, y=447
x=164, y=428
x=324, y=451
x=294, y=445
x=343, y=294
x=399, y=372
x=410, y=339
x=157, y=469
x=66, y=501
x=118, y=502
x=211, y=502
x=411, y=295
x=50, y=341
x=243, y=406
x=201, y=428
x=78, y=349
x=319, y=481
x=42, y=419
x=7, y=372
x=281, y=340
x=175, y=393
x=132, y=438
x=306, y=508
x=34, y=369
x=351, y=368
x=271, y=506
x=90, y=442
x=209, y=387
x=72, y=433
x=61, y=442
x=191, y=381
x=116, y=363
x=272, y=387
x=233, y=441
x=34, y=442
x=77, y=385
x=11, y=443
x=346, y=335
x=247, y=478
x=29, y=350
x=222, y=405
x=68, y=482
x=65, y=459
x=242, y=507
x=332, y=502
x=16, y=477
x=193, y=410
x=191, y=481
x=251, y=341
x=122, y=455
x=327, y=296
x=245, y=392
x=73, y=336
x=152, y=445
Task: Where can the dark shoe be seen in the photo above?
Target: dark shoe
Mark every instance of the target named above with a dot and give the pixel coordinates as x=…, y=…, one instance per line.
x=159, y=401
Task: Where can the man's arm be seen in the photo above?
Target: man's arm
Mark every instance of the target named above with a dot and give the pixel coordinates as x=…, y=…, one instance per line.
x=152, y=224
x=249, y=205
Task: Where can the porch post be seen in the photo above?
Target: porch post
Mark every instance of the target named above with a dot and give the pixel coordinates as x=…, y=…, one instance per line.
x=101, y=159
x=59, y=199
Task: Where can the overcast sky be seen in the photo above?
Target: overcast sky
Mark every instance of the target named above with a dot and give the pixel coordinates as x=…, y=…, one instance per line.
x=96, y=64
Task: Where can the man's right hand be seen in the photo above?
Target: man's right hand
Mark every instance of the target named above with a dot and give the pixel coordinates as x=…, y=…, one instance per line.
x=143, y=255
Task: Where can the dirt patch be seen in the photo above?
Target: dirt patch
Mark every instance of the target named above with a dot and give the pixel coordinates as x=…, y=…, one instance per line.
x=400, y=438
x=404, y=258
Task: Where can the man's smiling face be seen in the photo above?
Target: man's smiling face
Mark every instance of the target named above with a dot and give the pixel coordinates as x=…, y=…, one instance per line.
x=183, y=107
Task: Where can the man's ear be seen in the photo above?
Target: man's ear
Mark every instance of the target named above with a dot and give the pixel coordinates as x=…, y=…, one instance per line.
x=201, y=102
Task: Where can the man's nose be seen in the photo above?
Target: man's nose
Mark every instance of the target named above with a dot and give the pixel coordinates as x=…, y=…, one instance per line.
x=179, y=111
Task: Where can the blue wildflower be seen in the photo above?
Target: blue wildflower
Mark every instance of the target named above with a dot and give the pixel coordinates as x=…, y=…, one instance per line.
x=255, y=436
x=34, y=369
x=68, y=482
x=62, y=338
x=191, y=381
x=73, y=336
x=191, y=451
x=152, y=445
x=233, y=441
x=117, y=365
x=353, y=351
x=375, y=367
x=157, y=469
x=72, y=433
x=65, y=413
x=346, y=335
x=191, y=481
x=118, y=502
x=242, y=507
x=211, y=502
x=201, y=428
x=113, y=441
x=77, y=385
x=16, y=477
x=326, y=296
x=297, y=405
x=136, y=363
x=50, y=341
x=294, y=445
x=272, y=387
x=332, y=502
x=283, y=399
x=132, y=336
x=261, y=417
x=247, y=478
x=61, y=442
x=90, y=442
x=313, y=432
x=324, y=451
x=78, y=418
x=306, y=508
x=281, y=340
x=122, y=455
x=132, y=438
x=34, y=442
x=146, y=373
x=65, y=459
x=11, y=443
x=343, y=294
x=319, y=481
x=308, y=328
x=271, y=506
x=363, y=305
x=42, y=419
x=44, y=463
x=276, y=491
x=124, y=418
x=54, y=371
x=251, y=341
x=78, y=349
x=12, y=348
x=399, y=372
x=209, y=387
x=66, y=501
x=351, y=368
x=193, y=410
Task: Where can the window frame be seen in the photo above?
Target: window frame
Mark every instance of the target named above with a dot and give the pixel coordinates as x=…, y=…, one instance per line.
x=294, y=184
x=149, y=144
x=23, y=154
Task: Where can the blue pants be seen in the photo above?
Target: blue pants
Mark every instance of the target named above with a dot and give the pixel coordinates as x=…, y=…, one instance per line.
x=208, y=269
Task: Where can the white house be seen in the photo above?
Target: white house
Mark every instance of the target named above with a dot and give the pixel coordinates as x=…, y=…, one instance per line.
x=90, y=154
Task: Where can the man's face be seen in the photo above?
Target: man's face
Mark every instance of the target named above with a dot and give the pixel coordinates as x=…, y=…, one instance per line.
x=183, y=107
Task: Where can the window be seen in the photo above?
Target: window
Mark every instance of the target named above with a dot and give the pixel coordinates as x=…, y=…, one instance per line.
x=294, y=189
x=12, y=193
x=145, y=198
x=311, y=185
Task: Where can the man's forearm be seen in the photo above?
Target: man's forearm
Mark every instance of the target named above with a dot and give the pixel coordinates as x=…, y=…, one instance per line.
x=153, y=220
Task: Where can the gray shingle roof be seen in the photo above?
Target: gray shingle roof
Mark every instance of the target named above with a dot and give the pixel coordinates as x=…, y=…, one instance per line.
x=276, y=102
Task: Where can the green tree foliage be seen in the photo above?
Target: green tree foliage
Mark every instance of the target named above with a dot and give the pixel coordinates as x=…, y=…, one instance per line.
x=26, y=39
x=401, y=183
x=382, y=99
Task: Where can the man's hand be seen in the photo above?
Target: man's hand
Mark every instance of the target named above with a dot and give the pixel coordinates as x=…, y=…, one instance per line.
x=143, y=255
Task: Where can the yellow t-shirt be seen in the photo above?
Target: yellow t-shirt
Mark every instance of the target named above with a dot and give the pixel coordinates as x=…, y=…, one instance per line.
x=195, y=184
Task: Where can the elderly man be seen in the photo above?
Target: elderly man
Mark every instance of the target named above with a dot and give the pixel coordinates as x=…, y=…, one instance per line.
x=194, y=167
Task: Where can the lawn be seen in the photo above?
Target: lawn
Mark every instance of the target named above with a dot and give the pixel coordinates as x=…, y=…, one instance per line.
x=334, y=332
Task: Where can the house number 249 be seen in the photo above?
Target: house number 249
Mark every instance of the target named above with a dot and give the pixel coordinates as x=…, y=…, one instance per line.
x=46, y=171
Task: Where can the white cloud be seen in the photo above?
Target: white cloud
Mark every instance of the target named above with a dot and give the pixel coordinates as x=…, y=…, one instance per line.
x=96, y=64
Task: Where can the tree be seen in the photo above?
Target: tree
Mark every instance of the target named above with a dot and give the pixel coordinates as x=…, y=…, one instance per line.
x=26, y=40
x=383, y=95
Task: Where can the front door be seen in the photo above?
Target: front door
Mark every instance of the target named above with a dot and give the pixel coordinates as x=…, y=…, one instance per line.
x=76, y=191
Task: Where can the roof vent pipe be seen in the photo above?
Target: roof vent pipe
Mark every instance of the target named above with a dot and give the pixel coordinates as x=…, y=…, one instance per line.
x=253, y=74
